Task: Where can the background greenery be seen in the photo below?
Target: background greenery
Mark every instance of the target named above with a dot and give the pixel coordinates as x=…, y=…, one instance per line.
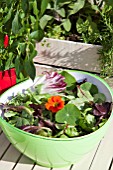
x=20, y=21
x=82, y=21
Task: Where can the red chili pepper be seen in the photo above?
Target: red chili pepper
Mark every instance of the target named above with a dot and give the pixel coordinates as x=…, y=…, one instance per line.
x=6, y=41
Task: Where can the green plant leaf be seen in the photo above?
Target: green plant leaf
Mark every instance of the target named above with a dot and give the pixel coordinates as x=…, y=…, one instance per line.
x=110, y=2
x=9, y=61
x=21, y=121
x=69, y=79
x=63, y=2
x=25, y=122
x=44, y=4
x=44, y=20
x=99, y=98
x=22, y=47
x=95, y=7
x=84, y=95
x=32, y=52
x=8, y=16
x=33, y=19
x=38, y=98
x=35, y=8
x=30, y=69
x=63, y=136
x=24, y=5
x=87, y=123
x=71, y=131
x=87, y=86
x=61, y=12
x=75, y=7
x=79, y=25
x=17, y=66
x=10, y=114
x=16, y=24
x=78, y=102
x=66, y=24
x=90, y=119
x=45, y=132
x=1, y=40
x=37, y=35
x=68, y=115
x=18, y=121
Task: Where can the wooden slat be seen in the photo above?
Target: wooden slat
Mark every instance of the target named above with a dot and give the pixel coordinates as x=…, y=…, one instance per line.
x=85, y=163
x=65, y=168
x=24, y=164
x=4, y=143
x=111, y=166
x=9, y=159
x=105, y=152
x=37, y=167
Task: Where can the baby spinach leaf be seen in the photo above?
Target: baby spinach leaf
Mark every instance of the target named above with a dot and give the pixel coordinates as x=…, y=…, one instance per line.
x=102, y=123
x=90, y=119
x=18, y=121
x=60, y=126
x=87, y=86
x=69, y=79
x=85, y=111
x=21, y=122
x=84, y=95
x=69, y=114
x=63, y=136
x=10, y=114
x=78, y=102
x=47, y=132
x=71, y=131
x=87, y=123
x=39, y=97
x=99, y=98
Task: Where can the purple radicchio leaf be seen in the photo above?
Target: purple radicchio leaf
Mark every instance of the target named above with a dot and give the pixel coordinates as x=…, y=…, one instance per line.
x=29, y=128
x=102, y=109
x=52, y=83
x=38, y=114
x=37, y=109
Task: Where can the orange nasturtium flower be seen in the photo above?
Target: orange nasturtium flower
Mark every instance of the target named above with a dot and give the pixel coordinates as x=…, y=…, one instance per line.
x=54, y=104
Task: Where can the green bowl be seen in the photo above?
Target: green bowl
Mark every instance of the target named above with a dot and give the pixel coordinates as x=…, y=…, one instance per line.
x=55, y=152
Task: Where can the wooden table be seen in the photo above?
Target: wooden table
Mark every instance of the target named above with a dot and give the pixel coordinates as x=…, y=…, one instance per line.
x=101, y=158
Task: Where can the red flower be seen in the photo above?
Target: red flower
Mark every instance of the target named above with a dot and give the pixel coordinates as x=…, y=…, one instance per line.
x=6, y=41
x=54, y=104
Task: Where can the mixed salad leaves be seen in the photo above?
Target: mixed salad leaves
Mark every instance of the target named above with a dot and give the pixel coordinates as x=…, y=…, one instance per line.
x=58, y=106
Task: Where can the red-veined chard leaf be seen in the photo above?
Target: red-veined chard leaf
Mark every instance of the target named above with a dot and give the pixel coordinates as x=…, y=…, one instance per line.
x=84, y=95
